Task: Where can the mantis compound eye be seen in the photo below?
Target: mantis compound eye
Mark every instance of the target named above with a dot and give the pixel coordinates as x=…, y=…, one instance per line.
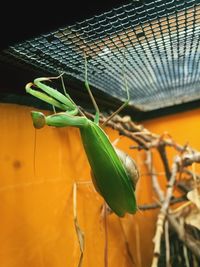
x=38, y=118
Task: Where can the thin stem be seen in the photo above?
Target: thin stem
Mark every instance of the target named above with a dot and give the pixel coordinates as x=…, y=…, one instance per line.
x=106, y=236
x=34, y=152
x=126, y=243
x=79, y=232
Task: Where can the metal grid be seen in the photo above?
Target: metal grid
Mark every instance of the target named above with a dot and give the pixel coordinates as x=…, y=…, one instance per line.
x=161, y=41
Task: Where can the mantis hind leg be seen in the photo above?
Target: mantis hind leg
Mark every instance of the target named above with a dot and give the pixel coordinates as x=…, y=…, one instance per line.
x=123, y=105
x=67, y=95
x=96, y=118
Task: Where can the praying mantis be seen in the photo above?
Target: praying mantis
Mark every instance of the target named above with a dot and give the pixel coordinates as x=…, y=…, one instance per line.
x=114, y=173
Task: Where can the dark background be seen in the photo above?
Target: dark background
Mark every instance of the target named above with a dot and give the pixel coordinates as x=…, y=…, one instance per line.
x=21, y=21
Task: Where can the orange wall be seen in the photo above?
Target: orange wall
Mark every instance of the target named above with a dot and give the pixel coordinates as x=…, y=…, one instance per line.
x=37, y=172
x=183, y=127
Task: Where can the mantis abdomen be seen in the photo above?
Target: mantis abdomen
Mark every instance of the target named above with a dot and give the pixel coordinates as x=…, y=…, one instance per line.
x=110, y=176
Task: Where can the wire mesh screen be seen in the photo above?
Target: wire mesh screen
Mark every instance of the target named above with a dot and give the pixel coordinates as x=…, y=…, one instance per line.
x=154, y=44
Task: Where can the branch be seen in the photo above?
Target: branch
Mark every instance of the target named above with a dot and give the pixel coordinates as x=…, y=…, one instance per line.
x=163, y=212
x=156, y=205
x=155, y=184
x=162, y=152
x=188, y=159
x=192, y=174
x=143, y=137
x=167, y=244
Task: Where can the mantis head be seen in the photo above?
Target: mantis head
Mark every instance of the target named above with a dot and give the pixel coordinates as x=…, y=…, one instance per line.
x=38, y=118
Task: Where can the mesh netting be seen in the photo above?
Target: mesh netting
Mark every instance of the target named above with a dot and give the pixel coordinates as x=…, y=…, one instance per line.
x=161, y=42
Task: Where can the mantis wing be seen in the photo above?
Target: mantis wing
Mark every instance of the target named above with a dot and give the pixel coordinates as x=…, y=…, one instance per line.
x=110, y=177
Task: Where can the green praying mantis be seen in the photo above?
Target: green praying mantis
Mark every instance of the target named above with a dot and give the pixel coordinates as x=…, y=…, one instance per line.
x=114, y=173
